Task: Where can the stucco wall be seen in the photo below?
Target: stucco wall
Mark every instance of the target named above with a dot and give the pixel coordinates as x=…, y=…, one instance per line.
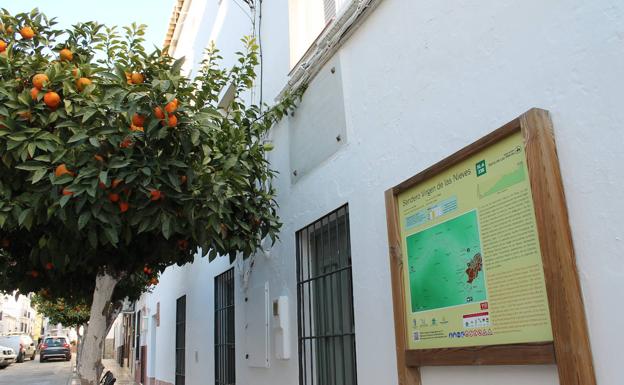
x=420, y=81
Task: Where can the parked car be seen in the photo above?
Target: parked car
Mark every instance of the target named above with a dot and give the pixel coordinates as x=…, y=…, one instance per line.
x=55, y=347
x=22, y=344
x=7, y=356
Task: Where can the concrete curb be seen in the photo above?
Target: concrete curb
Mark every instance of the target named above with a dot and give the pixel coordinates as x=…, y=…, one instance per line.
x=73, y=380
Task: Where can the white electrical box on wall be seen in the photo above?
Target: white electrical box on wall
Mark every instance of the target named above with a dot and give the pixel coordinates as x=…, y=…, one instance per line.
x=257, y=316
x=281, y=328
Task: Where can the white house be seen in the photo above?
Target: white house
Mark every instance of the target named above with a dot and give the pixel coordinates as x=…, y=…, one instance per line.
x=16, y=314
x=394, y=87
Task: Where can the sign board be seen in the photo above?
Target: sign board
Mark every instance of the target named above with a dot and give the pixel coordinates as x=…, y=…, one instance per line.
x=482, y=261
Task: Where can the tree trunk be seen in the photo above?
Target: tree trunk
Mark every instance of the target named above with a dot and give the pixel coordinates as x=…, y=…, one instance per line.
x=80, y=341
x=90, y=366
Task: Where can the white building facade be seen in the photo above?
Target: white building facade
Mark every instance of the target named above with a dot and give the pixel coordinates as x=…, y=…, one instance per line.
x=394, y=87
x=17, y=315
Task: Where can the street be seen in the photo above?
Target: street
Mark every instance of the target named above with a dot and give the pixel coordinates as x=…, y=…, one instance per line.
x=37, y=373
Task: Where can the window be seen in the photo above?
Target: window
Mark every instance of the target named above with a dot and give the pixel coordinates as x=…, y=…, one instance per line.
x=225, y=359
x=55, y=342
x=325, y=302
x=137, y=337
x=180, y=344
x=307, y=19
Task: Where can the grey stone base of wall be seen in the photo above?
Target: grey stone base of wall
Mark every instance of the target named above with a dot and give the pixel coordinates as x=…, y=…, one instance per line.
x=153, y=381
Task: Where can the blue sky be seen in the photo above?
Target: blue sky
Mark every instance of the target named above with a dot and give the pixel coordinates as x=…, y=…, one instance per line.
x=154, y=13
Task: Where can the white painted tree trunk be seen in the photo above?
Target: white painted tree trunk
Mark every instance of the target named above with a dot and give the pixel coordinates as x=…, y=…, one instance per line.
x=90, y=366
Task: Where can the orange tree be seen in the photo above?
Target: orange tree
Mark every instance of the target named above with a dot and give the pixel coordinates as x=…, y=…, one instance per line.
x=114, y=165
x=71, y=312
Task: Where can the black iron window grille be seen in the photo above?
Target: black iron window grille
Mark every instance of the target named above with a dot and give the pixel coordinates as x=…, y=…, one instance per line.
x=137, y=340
x=225, y=359
x=180, y=341
x=325, y=302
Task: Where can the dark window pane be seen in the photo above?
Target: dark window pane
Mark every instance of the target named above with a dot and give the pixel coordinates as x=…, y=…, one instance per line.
x=325, y=302
x=180, y=342
x=225, y=369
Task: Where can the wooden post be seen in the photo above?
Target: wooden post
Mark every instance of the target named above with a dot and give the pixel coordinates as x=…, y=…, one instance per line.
x=567, y=313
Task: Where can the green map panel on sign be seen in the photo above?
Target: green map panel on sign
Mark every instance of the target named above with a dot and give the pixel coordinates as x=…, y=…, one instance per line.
x=502, y=183
x=446, y=265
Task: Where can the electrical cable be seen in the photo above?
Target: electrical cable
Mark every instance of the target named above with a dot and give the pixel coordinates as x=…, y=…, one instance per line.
x=260, y=49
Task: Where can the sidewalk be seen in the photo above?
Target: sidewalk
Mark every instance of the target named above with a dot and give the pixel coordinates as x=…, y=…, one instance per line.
x=122, y=375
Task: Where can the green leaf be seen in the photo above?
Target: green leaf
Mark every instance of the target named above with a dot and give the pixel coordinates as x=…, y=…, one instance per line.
x=38, y=175
x=83, y=219
x=67, y=123
x=111, y=235
x=77, y=137
x=104, y=176
x=25, y=218
x=229, y=163
x=88, y=114
x=30, y=166
x=166, y=227
x=118, y=163
x=64, y=200
x=177, y=65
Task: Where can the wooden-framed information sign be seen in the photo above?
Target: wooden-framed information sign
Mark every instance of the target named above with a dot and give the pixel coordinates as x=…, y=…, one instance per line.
x=482, y=263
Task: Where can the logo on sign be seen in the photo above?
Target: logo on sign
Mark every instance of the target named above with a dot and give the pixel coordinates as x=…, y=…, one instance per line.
x=481, y=169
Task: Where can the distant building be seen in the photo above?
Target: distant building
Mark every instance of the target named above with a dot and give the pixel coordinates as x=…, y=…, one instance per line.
x=17, y=315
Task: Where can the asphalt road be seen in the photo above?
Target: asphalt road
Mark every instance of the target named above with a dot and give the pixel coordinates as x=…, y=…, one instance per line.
x=37, y=373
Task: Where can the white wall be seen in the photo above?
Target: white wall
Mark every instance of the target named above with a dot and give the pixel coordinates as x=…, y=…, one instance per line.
x=420, y=81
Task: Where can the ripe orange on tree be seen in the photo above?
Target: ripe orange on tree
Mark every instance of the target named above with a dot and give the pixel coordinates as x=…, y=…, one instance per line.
x=49, y=266
x=123, y=206
x=66, y=54
x=39, y=80
x=3, y=45
x=61, y=170
x=116, y=182
x=82, y=83
x=172, y=121
x=126, y=143
x=159, y=113
x=171, y=106
x=113, y=197
x=34, y=92
x=52, y=99
x=27, y=32
x=136, y=78
x=136, y=128
x=156, y=195
x=138, y=120
x=183, y=244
